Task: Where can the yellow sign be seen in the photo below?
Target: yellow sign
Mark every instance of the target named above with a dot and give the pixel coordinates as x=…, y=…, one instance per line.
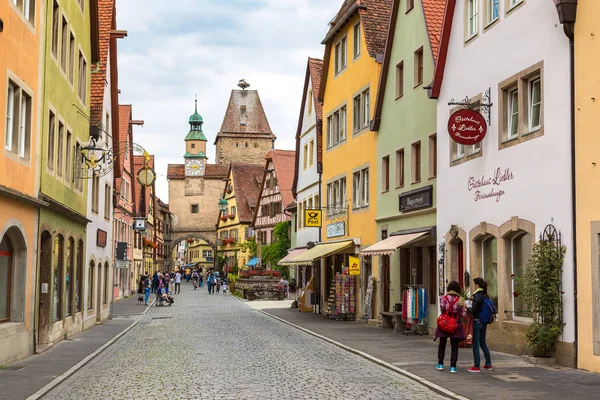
x=354, y=265
x=313, y=218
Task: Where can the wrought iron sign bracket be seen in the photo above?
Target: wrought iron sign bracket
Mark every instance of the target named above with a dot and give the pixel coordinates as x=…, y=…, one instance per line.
x=485, y=104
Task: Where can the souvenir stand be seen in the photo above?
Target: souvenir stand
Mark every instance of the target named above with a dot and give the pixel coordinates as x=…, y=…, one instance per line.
x=414, y=310
x=341, y=303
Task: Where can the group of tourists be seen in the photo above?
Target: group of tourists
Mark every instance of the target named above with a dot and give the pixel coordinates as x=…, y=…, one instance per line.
x=214, y=282
x=449, y=326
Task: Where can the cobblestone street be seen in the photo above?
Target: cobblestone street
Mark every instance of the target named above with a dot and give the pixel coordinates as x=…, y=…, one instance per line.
x=216, y=347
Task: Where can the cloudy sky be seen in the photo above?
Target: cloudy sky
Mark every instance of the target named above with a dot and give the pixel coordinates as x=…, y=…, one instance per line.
x=179, y=48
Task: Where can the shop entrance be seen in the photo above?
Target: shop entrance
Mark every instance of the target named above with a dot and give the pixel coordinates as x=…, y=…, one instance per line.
x=461, y=263
x=99, y=293
x=385, y=279
x=44, y=299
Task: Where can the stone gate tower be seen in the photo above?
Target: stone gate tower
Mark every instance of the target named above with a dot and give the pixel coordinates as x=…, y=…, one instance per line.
x=245, y=134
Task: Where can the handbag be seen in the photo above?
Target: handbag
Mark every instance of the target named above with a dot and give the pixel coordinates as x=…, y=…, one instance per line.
x=446, y=322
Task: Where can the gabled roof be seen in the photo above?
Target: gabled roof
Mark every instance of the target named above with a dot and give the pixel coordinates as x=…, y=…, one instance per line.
x=256, y=124
x=374, y=17
x=433, y=11
x=313, y=74
x=212, y=171
x=284, y=164
x=246, y=183
x=98, y=79
x=440, y=66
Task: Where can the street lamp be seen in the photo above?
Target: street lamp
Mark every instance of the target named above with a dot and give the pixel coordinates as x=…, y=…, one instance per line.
x=223, y=205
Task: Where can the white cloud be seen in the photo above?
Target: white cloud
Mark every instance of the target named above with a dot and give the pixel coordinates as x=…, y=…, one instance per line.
x=179, y=48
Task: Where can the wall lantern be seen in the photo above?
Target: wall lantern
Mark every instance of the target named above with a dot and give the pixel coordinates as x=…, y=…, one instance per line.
x=223, y=205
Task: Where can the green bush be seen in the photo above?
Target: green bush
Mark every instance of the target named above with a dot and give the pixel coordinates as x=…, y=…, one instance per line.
x=541, y=291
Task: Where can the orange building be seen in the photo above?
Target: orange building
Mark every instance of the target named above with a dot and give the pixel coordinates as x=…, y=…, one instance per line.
x=19, y=98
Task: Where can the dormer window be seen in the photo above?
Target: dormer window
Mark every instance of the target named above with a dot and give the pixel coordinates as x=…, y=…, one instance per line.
x=243, y=115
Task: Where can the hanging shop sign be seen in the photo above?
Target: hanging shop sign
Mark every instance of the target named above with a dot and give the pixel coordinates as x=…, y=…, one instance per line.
x=313, y=218
x=467, y=127
x=354, y=265
x=101, y=237
x=416, y=199
x=336, y=230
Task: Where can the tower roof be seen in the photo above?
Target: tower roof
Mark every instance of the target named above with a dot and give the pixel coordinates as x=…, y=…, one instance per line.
x=195, y=125
x=195, y=117
x=254, y=123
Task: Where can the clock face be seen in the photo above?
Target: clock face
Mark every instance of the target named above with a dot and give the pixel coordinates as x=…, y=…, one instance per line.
x=194, y=167
x=146, y=176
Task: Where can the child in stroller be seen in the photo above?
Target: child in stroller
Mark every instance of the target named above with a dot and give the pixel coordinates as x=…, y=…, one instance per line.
x=163, y=296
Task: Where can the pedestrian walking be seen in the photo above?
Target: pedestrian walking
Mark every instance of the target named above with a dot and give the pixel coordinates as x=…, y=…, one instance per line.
x=450, y=326
x=154, y=282
x=177, y=282
x=284, y=284
x=201, y=280
x=195, y=279
x=210, y=280
x=146, y=289
x=167, y=280
x=483, y=311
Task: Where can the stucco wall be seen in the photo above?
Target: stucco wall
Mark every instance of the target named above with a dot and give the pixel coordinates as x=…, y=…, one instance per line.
x=242, y=149
x=537, y=190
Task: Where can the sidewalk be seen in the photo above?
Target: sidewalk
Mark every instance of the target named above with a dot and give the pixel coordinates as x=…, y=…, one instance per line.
x=512, y=377
x=26, y=377
x=130, y=306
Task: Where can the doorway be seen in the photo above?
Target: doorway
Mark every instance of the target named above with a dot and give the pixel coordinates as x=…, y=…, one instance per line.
x=99, y=293
x=461, y=263
x=44, y=299
x=385, y=278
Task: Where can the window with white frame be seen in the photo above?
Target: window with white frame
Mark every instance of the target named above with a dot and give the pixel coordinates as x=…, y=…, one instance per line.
x=513, y=3
x=492, y=10
x=360, y=191
x=18, y=121
x=311, y=152
x=71, y=58
x=341, y=51
x=472, y=18
x=416, y=158
x=520, y=252
x=513, y=113
x=357, y=40
x=69, y=159
x=107, y=201
x=95, y=193
x=60, y=149
x=336, y=197
x=27, y=7
x=64, y=45
x=361, y=111
x=534, y=103
x=82, y=82
x=305, y=157
x=51, y=140
x=336, y=127
x=310, y=101
x=206, y=253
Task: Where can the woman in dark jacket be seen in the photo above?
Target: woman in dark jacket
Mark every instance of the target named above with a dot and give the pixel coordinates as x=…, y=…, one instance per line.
x=479, y=329
x=451, y=301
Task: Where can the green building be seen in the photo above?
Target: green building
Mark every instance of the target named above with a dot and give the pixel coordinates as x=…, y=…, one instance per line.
x=406, y=124
x=70, y=55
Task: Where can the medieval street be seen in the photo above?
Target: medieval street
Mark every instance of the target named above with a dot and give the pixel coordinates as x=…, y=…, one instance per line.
x=216, y=347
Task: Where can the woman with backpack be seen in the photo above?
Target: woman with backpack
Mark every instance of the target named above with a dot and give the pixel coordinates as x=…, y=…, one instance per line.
x=483, y=311
x=450, y=326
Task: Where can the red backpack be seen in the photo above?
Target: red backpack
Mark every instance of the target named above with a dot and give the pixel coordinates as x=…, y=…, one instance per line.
x=446, y=322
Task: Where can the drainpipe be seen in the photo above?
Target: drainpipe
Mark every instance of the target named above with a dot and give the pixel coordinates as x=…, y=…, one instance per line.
x=567, y=15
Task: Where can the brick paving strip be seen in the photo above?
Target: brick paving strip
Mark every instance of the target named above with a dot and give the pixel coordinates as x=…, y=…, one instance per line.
x=417, y=356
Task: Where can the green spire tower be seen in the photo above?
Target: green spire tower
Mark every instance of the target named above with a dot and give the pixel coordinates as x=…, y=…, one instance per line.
x=195, y=145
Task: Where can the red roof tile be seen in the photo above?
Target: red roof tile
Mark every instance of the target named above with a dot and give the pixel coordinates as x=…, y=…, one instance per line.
x=175, y=171
x=434, y=19
x=246, y=183
x=284, y=162
x=315, y=66
x=440, y=65
x=98, y=79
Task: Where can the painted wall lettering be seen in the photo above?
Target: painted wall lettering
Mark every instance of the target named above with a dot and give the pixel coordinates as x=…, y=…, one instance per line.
x=486, y=187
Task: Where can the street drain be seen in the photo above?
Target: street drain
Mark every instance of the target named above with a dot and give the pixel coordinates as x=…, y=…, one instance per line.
x=161, y=318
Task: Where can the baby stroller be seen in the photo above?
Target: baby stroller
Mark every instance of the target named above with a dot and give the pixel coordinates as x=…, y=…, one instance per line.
x=163, y=297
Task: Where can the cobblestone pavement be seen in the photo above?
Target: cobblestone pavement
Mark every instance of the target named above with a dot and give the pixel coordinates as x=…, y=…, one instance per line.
x=216, y=347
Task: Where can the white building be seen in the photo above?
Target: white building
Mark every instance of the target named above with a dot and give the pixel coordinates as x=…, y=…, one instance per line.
x=496, y=198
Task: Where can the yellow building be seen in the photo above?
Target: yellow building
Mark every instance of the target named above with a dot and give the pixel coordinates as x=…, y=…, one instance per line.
x=19, y=206
x=354, y=51
x=233, y=226
x=587, y=167
x=199, y=253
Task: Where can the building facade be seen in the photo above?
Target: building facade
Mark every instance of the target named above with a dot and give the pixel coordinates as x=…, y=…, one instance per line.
x=502, y=181
x=354, y=48
x=406, y=126
x=241, y=192
x=275, y=193
x=71, y=297
x=20, y=96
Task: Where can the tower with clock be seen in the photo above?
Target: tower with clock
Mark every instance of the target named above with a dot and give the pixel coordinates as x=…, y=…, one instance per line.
x=195, y=146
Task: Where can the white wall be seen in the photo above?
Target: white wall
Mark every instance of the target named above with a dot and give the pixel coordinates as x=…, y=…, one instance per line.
x=541, y=189
x=101, y=254
x=308, y=179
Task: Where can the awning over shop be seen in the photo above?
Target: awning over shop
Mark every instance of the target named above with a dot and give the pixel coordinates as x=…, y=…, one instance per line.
x=189, y=265
x=252, y=262
x=391, y=244
x=292, y=254
x=319, y=251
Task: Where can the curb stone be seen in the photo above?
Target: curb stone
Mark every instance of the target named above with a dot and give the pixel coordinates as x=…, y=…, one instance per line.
x=436, y=388
x=59, y=379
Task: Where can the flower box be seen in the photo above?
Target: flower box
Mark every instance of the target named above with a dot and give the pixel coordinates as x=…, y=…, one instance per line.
x=223, y=218
x=231, y=216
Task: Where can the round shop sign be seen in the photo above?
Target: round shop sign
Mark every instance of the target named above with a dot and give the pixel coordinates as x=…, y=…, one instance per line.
x=467, y=127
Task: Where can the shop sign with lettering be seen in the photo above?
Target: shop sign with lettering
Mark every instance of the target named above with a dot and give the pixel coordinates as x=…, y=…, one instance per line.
x=416, y=199
x=467, y=127
x=313, y=218
x=336, y=230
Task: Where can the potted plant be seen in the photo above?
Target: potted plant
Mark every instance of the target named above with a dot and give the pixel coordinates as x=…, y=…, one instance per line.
x=224, y=218
x=231, y=216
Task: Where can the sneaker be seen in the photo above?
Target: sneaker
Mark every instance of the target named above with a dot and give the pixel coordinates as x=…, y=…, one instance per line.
x=440, y=367
x=474, y=369
x=488, y=367
x=452, y=370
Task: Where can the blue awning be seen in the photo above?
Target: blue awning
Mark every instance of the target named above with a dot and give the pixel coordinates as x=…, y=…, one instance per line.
x=253, y=262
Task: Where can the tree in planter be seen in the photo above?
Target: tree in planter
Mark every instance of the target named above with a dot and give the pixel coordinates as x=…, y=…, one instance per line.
x=274, y=252
x=541, y=291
